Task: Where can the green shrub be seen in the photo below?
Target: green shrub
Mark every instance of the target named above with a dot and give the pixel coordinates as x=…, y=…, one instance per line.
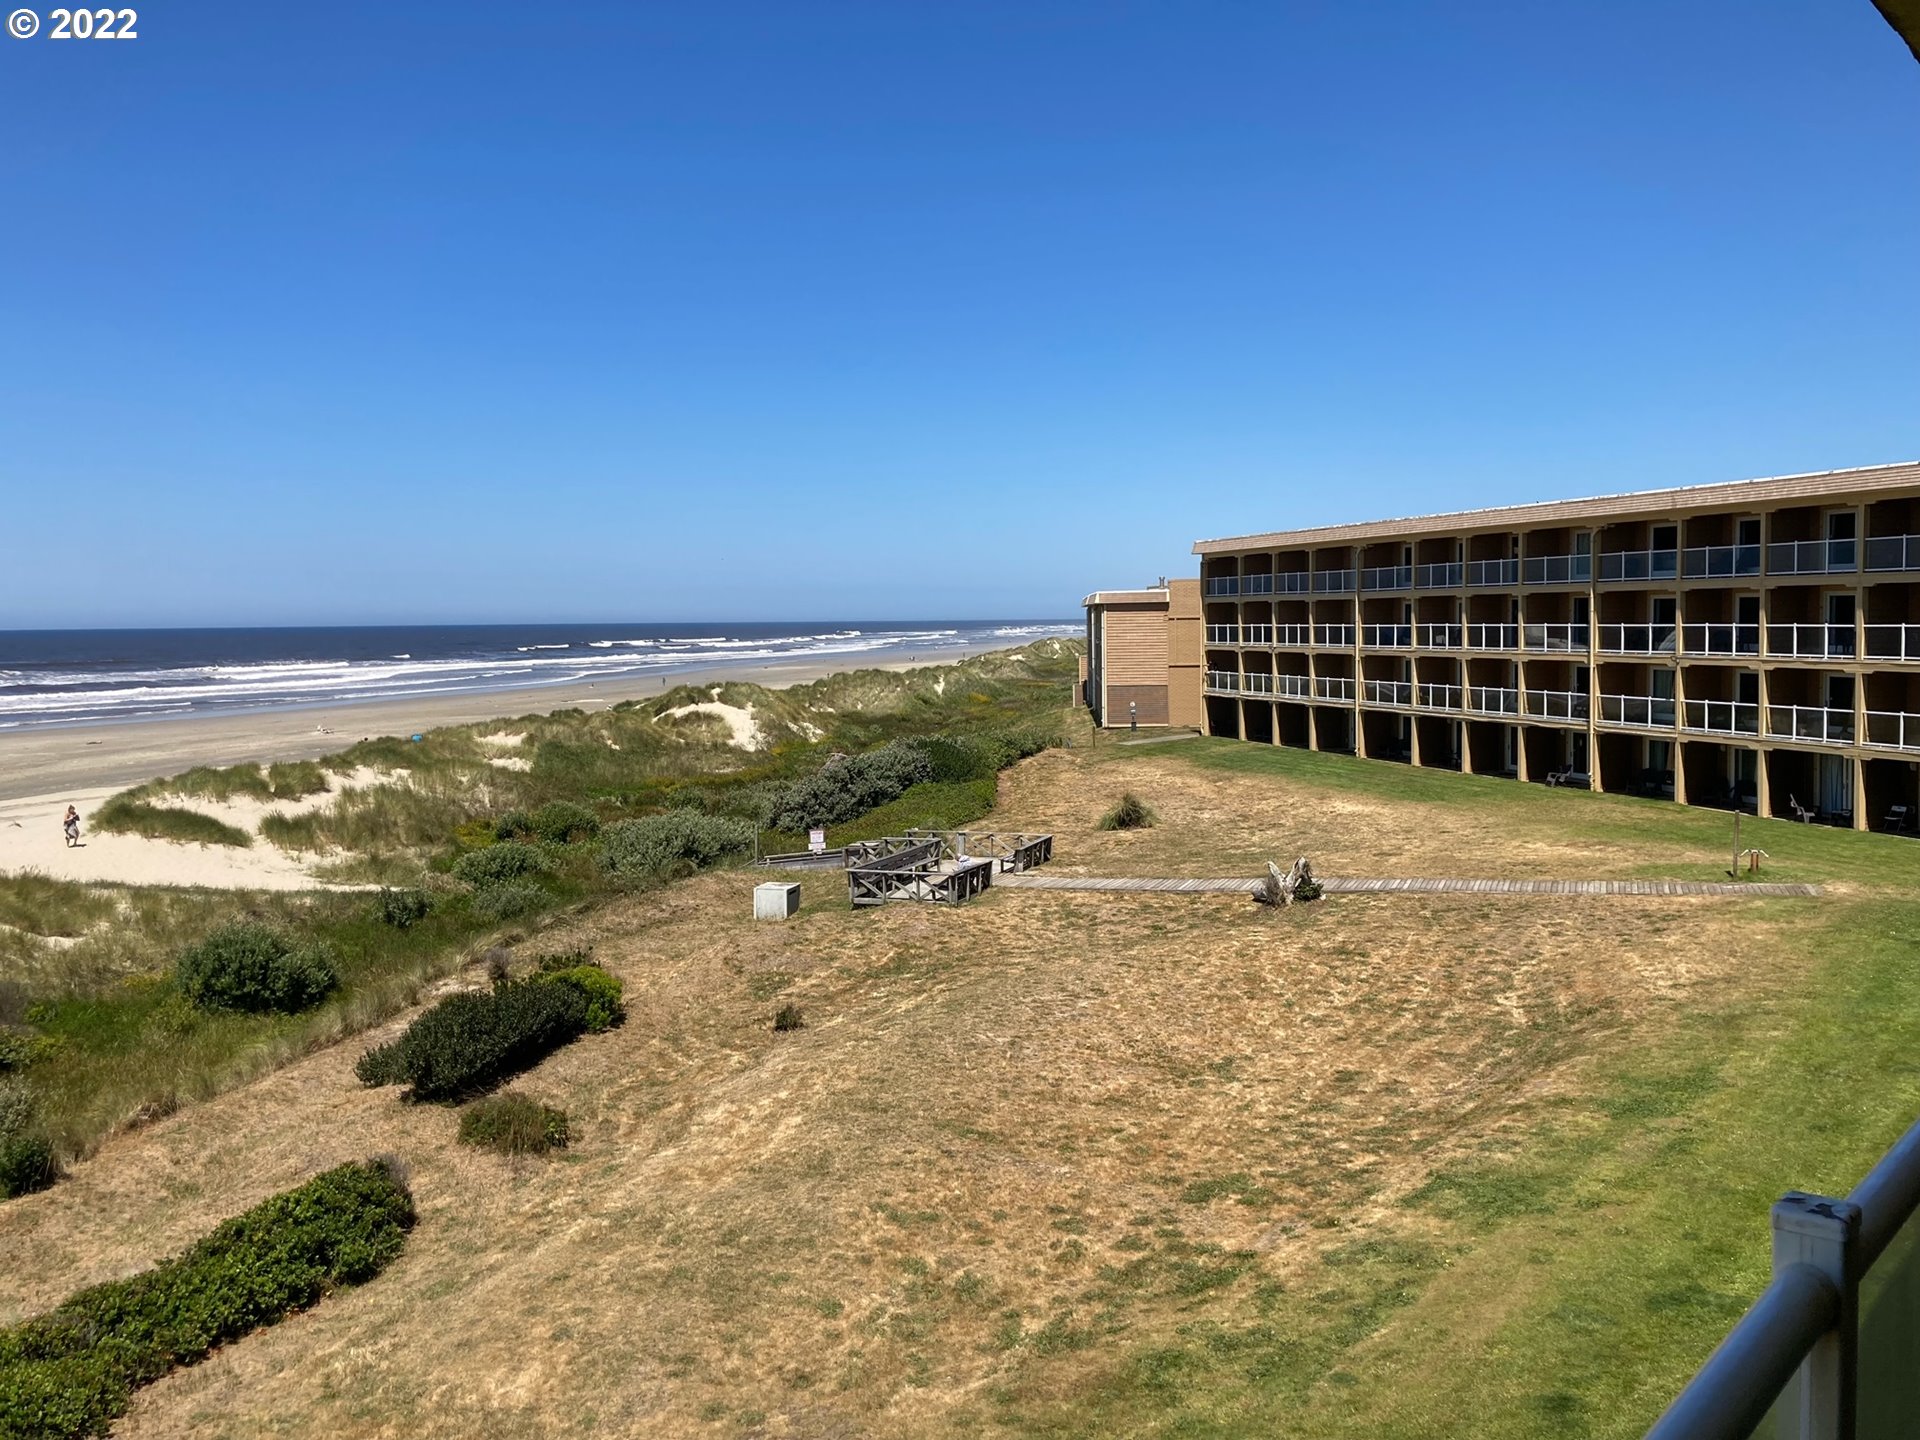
x=69, y=1372
x=504, y=860
x=381, y=1065
x=514, y=825
x=512, y=1124
x=1130, y=814
x=477, y=1038
x=850, y=785
x=600, y=990
x=507, y=901
x=21, y=1048
x=402, y=909
x=26, y=1154
x=245, y=966
x=657, y=843
x=166, y=822
x=788, y=1017
x=564, y=823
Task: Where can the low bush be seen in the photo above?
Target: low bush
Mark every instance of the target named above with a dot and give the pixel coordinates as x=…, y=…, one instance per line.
x=1130, y=814
x=514, y=825
x=21, y=1048
x=402, y=909
x=850, y=785
x=166, y=822
x=788, y=1017
x=504, y=860
x=656, y=844
x=26, y=1153
x=507, y=901
x=471, y=1041
x=513, y=1124
x=69, y=1372
x=250, y=967
x=601, y=991
x=564, y=823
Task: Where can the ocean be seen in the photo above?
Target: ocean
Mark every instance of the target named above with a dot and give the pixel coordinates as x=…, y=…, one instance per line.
x=78, y=677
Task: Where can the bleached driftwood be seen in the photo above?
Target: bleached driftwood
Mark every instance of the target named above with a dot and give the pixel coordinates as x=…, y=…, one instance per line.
x=1283, y=887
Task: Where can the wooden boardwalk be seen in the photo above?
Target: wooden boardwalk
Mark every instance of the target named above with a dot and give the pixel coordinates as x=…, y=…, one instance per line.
x=1334, y=886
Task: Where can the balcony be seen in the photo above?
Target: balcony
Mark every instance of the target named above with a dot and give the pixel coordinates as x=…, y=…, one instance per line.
x=1223, y=634
x=1719, y=562
x=1333, y=687
x=1440, y=637
x=1292, y=582
x=1387, y=637
x=1810, y=722
x=1256, y=682
x=1893, y=730
x=1812, y=557
x=1719, y=639
x=1492, y=700
x=1294, y=687
x=1387, y=577
x=1333, y=637
x=1332, y=582
x=1640, y=565
x=1636, y=639
x=1493, y=572
x=1438, y=697
x=1493, y=637
x=1439, y=577
x=1219, y=585
x=1389, y=692
x=1558, y=704
x=1557, y=569
x=1893, y=642
x=1557, y=638
x=1720, y=717
x=1642, y=712
x=1292, y=637
x=1893, y=552
x=1223, y=682
x=1811, y=641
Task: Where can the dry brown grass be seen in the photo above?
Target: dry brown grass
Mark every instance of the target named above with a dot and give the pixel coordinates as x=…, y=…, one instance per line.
x=1015, y=1142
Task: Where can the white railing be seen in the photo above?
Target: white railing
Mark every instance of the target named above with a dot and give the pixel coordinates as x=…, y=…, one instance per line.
x=1811, y=722
x=1440, y=637
x=1299, y=687
x=1256, y=682
x=1893, y=552
x=1257, y=584
x=1557, y=569
x=1493, y=637
x=1293, y=635
x=1710, y=562
x=1333, y=637
x=1387, y=637
x=1893, y=642
x=1810, y=640
x=1636, y=639
x=1893, y=729
x=1223, y=585
x=1556, y=637
x=1646, y=712
x=1445, y=576
x=1721, y=717
x=1640, y=565
x=1493, y=572
x=1223, y=634
x=1713, y=637
x=1227, y=681
x=1493, y=700
x=1292, y=582
x=1389, y=692
x=1387, y=577
x=1333, y=687
x=1558, y=704
x=1256, y=634
x=1437, y=697
x=1332, y=581
x=1812, y=557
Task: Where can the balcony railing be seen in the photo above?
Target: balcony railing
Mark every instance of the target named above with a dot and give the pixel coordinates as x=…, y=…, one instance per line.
x=1493, y=637
x=1292, y=582
x=1493, y=572
x=1256, y=584
x=1893, y=642
x=1714, y=562
x=1714, y=638
x=1556, y=637
x=1226, y=681
x=1387, y=577
x=1387, y=637
x=1294, y=636
x=1811, y=722
x=1256, y=682
x=1223, y=634
x=1436, y=697
x=1333, y=687
x=1893, y=552
x=1812, y=557
x=1640, y=565
x=1811, y=640
x=1440, y=637
x=1721, y=717
x=1636, y=639
x=1333, y=637
x=1222, y=585
x=1893, y=729
x=1492, y=700
x=1389, y=692
x=1558, y=704
x=1256, y=634
x=1296, y=687
x=1332, y=582
x=1645, y=712
x=1446, y=576
x=1557, y=569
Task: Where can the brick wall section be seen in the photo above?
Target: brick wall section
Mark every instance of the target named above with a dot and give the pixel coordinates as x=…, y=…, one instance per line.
x=1151, y=699
x=1186, y=655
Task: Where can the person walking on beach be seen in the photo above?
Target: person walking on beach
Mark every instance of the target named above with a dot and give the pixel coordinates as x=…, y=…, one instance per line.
x=72, y=826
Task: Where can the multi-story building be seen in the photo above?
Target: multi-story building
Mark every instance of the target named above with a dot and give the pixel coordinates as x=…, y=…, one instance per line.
x=1144, y=656
x=1752, y=645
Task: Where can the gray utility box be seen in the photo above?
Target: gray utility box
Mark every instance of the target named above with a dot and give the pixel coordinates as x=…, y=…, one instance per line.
x=776, y=900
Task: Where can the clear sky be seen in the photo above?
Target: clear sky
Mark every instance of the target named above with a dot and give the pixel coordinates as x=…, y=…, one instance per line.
x=636, y=310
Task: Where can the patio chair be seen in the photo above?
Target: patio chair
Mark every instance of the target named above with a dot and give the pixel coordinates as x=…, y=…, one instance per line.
x=1800, y=812
x=1899, y=820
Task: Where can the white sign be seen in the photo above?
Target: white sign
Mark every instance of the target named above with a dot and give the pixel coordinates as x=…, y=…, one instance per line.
x=817, y=841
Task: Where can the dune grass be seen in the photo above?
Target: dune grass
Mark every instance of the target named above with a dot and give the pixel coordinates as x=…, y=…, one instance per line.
x=166, y=822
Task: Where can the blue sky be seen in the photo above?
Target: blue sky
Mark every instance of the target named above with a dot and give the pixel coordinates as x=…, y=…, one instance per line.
x=635, y=310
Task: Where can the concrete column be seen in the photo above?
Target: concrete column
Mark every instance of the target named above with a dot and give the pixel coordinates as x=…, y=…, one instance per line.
x=1859, y=790
x=1762, y=783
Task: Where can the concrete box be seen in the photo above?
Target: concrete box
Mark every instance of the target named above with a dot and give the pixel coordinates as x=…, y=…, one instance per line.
x=776, y=900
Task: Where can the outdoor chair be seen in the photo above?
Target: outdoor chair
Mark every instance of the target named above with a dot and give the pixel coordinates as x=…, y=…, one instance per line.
x=1899, y=820
x=1800, y=812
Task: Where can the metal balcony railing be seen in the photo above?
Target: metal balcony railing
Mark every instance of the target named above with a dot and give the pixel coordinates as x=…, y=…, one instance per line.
x=1636, y=639
x=1387, y=637
x=1558, y=704
x=1333, y=687
x=1333, y=637
x=1811, y=722
x=1720, y=717
x=1640, y=565
x=1223, y=634
x=1714, y=638
x=1556, y=637
x=1893, y=642
x=1812, y=557
x=1256, y=682
x=1257, y=584
x=1815, y=641
x=1493, y=572
x=1440, y=637
x=1332, y=582
x=1645, y=712
x=1222, y=585
x=1713, y=562
x=1387, y=577
x=1445, y=576
x=1557, y=569
x=1493, y=700
x=1389, y=692
x=1256, y=634
x=1298, y=687
x=1225, y=681
x=1893, y=729
x=1437, y=697
x=1293, y=636
x=1493, y=637
x=1893, y=552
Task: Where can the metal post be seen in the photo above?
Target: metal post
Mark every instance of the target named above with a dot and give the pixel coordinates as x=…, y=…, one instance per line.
x=1819, y=1402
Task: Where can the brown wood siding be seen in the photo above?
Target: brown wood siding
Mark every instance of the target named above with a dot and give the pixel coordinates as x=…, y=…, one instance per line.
x=1136, y=647
x=1152, y=700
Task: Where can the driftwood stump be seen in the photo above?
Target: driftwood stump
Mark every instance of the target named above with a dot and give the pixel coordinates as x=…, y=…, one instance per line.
x=1283, y=887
